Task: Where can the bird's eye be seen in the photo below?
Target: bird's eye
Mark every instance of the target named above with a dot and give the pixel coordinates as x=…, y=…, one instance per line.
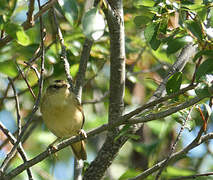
x=54, y=86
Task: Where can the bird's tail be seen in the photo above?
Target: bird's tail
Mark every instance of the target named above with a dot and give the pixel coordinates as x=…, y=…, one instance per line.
x=79, y=150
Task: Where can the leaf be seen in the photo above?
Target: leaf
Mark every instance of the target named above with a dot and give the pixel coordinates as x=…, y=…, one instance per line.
x=123, y=132
x=155, y=43
x=205, y=68
x=93, y=24
x=70, y=9
x=141, y=21
x=17, y=32
x=74, y=69
x=174, y=83
x=130, y=173
x=195, y=28
x=8, y=68
x=150, y=31
x=203, y=52
x=148, y=3
x=175, y=44
x=23, y=38
x=150, y=34
x=202, y=90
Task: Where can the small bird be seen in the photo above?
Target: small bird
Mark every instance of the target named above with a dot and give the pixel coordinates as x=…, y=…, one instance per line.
x=63, y=114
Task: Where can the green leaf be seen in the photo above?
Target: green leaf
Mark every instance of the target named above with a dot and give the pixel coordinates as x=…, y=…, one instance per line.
x=23, y=38
x=203, y=52
x=17, y=32
x=11, y=29
x=202, y=90
x=123, y=132
x=205, y=68
x=8, y=68
x=174, y=83
x=148, y=3
x=175, y=44
x=195, y=28
x=130, y=173
x=150, y=31
x=74, y=70
x=155, y=43
x=93, y=24
x=70, y=9
x=141, y=21
x=211, y=18
x=175, y=171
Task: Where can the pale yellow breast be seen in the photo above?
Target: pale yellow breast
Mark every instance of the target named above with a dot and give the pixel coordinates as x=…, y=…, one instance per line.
x=60, y=116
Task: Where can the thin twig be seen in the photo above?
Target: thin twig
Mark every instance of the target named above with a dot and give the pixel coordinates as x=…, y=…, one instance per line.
x=82, y=67
x=157, y=101
x=195, y=176
x=174, y=144
x=103, y=128
x=17, y=107
x=25, y=79
x=35, y=108
x=63, y=52
x=20, y=149
x=95, y=101
x=94, y=76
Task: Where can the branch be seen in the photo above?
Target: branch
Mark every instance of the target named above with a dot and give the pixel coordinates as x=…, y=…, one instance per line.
x=35, y=108
x=110, y=147
x=195, y=176
x=30, y=18
x=157, y=101
x=82, y=68
x=94, y=132
x=174, y=144
x=185, y=55
x=20, y=149
x=63, y=52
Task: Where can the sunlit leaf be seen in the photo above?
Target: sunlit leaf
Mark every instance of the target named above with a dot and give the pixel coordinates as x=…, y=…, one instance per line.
x=16, y=31
x=130, y=173
x=74, y=69
x=93, y=24
x=9, y=68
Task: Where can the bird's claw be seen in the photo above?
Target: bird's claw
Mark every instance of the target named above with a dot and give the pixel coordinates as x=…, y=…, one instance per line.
x=83, y=133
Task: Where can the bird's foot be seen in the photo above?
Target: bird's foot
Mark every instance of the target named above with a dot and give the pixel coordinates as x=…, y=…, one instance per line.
x=83, y=133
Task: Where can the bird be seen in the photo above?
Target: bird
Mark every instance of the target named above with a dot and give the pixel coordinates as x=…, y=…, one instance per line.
x=63, y=115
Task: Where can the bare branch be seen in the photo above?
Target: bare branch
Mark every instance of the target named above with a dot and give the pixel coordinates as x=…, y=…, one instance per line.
x=28, y=85
x=30, y=18
x=35, y=108
x=63, y=52
x=20, y=149
x=174, y=144
x=195, y=176
x=101, y=129
x=82, y=67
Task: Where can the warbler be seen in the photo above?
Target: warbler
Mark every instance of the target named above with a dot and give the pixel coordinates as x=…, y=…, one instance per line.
x=63, y=114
